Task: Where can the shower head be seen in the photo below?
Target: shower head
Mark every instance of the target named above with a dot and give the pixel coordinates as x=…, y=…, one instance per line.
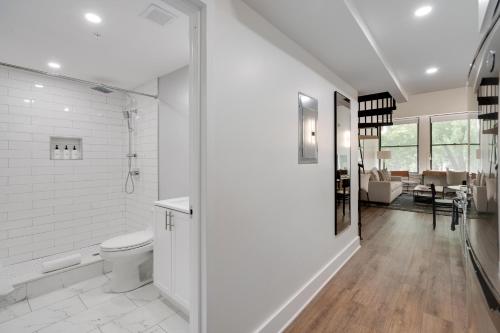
x=102, y=89
x=128, y=114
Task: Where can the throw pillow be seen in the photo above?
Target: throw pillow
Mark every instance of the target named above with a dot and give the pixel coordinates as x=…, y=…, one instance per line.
x=456, y=177
x=387, y=175
x=375, y=177
x=364, y=181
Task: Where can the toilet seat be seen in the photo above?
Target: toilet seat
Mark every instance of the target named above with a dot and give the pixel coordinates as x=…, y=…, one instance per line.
x=129, y=241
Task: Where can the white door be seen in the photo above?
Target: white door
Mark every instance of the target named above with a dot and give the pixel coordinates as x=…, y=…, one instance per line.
x=162, y=254
x=180, y=253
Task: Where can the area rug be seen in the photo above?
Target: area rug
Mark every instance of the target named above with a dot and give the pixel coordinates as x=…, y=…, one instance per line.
x=405, y=202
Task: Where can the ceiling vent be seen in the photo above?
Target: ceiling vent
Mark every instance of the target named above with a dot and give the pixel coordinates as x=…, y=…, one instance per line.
x=158, y=15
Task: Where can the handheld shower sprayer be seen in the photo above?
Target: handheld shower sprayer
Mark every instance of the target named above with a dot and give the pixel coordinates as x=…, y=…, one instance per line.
x=128, y=114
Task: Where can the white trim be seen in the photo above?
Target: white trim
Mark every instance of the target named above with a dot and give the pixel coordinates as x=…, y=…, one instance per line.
x=406, y=120
x=195, y=171
x=196, y=10
x=454, y=116
x=284, y=316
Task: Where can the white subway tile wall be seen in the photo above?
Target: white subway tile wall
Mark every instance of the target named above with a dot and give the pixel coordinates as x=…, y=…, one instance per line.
x=53, y=206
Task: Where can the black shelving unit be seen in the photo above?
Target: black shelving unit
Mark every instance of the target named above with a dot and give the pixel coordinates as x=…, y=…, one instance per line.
x=487, y=100
x=375, y=111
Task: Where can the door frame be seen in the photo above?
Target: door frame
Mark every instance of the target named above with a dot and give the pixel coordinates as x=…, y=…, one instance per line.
x=196, y=11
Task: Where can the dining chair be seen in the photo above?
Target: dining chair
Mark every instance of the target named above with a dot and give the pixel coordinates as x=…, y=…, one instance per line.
x=439, y=205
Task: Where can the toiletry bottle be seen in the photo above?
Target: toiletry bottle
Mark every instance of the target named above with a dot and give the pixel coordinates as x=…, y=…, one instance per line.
x=75, y=154
x=66, y=154
x=57, y=153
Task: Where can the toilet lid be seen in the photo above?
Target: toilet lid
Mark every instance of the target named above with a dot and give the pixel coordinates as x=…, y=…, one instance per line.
x=128, y=241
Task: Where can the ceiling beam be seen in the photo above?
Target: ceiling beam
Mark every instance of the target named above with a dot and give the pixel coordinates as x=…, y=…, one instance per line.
x=400, y=94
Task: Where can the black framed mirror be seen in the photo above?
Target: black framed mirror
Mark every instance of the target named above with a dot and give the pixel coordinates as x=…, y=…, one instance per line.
x=342, y=153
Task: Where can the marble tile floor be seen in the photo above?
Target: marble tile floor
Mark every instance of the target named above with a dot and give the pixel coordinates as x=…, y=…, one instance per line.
x=88, y=306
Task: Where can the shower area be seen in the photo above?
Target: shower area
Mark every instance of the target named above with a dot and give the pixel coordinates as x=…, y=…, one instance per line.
x=94, y=129
x=57, y=204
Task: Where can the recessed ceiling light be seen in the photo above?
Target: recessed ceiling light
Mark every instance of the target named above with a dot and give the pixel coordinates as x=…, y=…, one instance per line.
x=54, y=65
x=29, y=101
x=431, y=70
x=66, y=109
x=423, y=11
x=93, y=18
x=38, y=85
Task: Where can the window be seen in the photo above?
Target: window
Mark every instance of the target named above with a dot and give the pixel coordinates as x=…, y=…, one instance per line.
x=402, y=140
x=454, y=143
x=369, y=150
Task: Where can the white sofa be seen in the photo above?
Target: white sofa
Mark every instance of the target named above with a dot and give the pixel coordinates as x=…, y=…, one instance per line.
x=380, y=191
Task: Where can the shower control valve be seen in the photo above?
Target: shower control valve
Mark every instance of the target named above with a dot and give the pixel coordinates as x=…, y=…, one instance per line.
x=132, y=155
x=135, y=172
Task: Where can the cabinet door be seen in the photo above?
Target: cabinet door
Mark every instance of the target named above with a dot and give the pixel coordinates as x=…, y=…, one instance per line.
x=162, y=254
x=181, y=258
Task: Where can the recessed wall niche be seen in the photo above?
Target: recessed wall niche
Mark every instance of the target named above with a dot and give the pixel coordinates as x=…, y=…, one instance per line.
x=64, y=148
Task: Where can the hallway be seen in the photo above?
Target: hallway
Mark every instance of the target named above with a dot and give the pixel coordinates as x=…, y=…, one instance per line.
x=405, y=278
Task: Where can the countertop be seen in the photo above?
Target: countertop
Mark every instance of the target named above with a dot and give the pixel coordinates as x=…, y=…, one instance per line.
x=179, y=204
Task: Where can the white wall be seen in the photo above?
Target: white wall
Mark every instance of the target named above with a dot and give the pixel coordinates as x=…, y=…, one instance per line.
x=145, y=144
x=174, y=135
x=270, y=220
x=436, y=102
x=49, y=206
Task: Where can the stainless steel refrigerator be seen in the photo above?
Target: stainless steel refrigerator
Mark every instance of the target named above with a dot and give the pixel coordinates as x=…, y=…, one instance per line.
x=480, y=230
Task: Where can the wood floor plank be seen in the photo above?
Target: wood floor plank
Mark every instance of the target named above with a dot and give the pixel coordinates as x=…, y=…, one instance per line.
x=405, y=278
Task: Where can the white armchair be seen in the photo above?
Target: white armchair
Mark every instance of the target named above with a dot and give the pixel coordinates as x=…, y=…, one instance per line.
x=480, y=199
x=484, y=199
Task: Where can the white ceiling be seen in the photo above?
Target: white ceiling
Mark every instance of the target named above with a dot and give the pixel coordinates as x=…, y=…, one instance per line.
x=130, y=51
x=379, y=45
x=447, y=38
x=327, y=30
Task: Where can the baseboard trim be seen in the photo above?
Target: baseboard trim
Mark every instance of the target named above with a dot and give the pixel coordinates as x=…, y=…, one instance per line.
x=284, y=316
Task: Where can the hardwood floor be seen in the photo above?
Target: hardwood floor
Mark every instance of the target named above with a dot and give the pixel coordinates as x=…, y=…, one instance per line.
x=405, y=278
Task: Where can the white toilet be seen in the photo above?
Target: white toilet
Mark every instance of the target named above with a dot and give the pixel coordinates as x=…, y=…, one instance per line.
x=132, y=258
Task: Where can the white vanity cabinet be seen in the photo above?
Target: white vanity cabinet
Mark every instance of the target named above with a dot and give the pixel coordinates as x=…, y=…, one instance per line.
x=171, y=253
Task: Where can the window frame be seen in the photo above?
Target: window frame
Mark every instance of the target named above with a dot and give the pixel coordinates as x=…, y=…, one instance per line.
x=404, y=122
x=459, y=116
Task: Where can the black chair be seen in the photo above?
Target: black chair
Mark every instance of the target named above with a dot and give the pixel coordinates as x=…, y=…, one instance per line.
x=344, y=193
x=439, y=205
